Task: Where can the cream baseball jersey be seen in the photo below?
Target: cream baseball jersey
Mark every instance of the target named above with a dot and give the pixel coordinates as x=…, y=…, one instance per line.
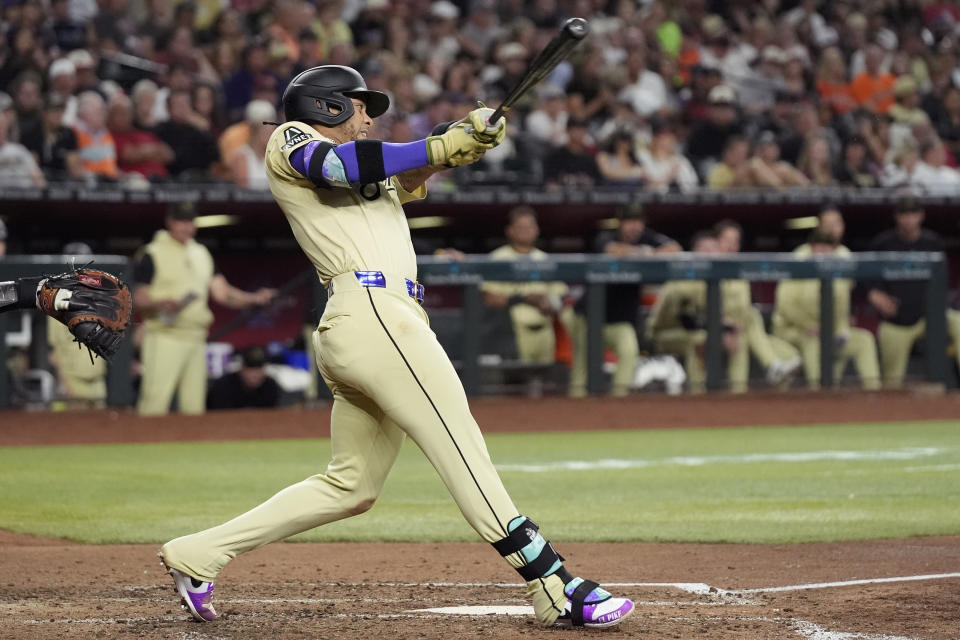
x=341, y=229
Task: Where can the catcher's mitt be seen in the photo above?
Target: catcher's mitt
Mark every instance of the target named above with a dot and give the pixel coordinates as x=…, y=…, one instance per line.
x=95, y=305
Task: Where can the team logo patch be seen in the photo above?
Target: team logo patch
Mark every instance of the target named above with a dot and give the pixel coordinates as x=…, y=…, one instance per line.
x=293, y=137
x=91, y=281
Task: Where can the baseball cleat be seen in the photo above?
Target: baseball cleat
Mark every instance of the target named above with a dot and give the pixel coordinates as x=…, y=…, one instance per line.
x=599, y=609
x=196, y=596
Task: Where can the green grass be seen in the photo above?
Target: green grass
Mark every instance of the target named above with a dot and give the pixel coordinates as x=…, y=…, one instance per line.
x=150, y=493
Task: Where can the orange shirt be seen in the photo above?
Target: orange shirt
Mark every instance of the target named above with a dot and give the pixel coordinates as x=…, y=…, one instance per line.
x=97, y=151
x=873, y=92
x=836, y=94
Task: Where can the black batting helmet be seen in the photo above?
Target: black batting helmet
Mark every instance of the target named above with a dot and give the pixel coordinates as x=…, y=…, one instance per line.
x=310, y=95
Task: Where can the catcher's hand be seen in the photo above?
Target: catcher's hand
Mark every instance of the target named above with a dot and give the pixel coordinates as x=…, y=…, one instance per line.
x=95, y=305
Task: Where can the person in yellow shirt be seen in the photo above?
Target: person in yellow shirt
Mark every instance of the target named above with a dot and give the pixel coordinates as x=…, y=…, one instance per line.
x=174, y=276
x=532, y=305
x=796, y=319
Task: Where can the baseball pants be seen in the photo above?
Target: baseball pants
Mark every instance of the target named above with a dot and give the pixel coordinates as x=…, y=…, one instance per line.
x=621, y=337
x=173, y=364
x=859, y=347
x=390, y=378
x=689, y=346
x=896, y=341
x=767, y=349
x=537, y=344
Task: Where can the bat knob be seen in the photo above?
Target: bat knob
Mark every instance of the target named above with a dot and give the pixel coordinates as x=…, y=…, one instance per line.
x=576, y=27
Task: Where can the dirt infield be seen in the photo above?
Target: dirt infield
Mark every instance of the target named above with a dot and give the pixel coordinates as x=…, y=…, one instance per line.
x=882, y=590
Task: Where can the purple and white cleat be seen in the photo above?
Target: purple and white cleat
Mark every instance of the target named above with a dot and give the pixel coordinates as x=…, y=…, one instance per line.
x=196, y=596
x=592, y=607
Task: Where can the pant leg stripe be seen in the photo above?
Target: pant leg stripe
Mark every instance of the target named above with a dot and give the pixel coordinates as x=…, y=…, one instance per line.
x=437, y=411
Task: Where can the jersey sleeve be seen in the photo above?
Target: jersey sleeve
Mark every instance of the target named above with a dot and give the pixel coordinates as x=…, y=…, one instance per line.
x=409, y=196
x=289, y=137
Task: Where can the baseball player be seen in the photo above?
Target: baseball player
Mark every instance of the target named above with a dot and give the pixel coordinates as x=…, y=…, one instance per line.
x=342, y=194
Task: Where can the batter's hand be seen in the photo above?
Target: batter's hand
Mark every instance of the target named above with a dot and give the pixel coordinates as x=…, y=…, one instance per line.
x=483, y=132
x=456, y=147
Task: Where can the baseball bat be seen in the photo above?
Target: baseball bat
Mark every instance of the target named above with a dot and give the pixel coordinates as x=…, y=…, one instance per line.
x=571, y=33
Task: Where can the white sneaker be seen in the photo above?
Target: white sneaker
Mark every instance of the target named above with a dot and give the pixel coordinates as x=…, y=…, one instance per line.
x=782, y=370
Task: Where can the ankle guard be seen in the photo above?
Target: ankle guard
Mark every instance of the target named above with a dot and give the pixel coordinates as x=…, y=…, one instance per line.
x=524, y=538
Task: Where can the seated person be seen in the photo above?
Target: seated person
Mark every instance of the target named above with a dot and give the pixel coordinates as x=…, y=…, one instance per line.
x=796, y=319
x=532, y=305
x=250, y=387
x=902, y=305
x=677, y=323
x=734, y=168
x=631, y=238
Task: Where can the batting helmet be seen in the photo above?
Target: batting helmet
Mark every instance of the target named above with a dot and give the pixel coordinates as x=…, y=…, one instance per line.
x=310, y=95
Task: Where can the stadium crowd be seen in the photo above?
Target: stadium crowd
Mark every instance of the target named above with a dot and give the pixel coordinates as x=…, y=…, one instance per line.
x=664, y=95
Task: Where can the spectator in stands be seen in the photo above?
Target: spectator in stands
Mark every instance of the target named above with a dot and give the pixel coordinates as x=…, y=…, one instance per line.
x=82, y=380
x=138, y=151
x=873, y=88
x=69, y=33
x=696, y=104
x=98, y=154
x=63, y=84
x=56, y=149
x=573, y=164
x=815, y=162
x=646, y=92
x=86, y=66
x=768, y=170
x=590, y=95
x=709, y=138
x=246, y=165
x=207, y=106
x=778, y=357
x=17, y=166
x=239, y=135
x=631, y=238
x=28, y=103
x=721, y=50
x=902, y=304
x=759, y=87
x=144, y=95
x=830, y=221
x=948, y=121
x=906, y=107
x=833, y=85
x=664, y=167
x=734, y=170
x=250, y=387
x=194, y=150
x=533, y=306
x=857, y=169
x=174, y=276
x=796, y=319
x=617, y=163
x=238, y=88
x=932, y=174
x=547, y=123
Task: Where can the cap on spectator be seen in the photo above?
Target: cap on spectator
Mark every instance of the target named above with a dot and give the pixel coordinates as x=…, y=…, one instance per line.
x=183, y=211
x=3, y=231
x=258, y=111
x=722, y=94
x=444, y=10
x=6, y=102
x=887, y=39
x=713, y=27
x=908, y=204
x=81, y=59
x=904, y=86
x=62, y=67
x=253, y=357
x=55, y=102
x=632, y=211
x=511, y=50
x=773, y=53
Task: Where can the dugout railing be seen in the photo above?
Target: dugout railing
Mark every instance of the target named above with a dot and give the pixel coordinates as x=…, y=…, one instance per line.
x=596, y=273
